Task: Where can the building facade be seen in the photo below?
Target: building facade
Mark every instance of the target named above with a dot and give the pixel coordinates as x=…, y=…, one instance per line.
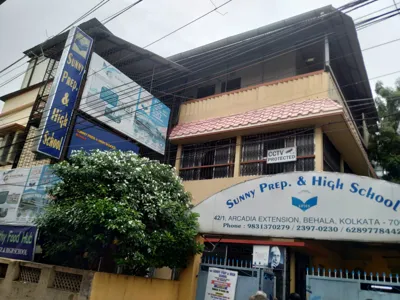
x=266, y=109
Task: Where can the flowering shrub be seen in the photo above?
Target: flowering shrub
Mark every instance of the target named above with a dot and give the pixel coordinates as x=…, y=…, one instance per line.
x=119, y=206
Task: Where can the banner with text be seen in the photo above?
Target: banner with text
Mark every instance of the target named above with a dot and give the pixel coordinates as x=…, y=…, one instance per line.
x=116, y=100
x=88, y=136
x=221, y=284
x=63, y=93
x=23, y=193
x=316, y=205
x=17, y=242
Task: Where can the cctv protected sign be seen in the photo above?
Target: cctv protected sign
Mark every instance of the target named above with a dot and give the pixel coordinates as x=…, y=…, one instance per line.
x=281, y=155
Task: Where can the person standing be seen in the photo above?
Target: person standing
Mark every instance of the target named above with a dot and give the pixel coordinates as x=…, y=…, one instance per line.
x=294, y=296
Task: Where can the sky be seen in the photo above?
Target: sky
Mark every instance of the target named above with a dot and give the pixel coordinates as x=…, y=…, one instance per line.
x=24, y=24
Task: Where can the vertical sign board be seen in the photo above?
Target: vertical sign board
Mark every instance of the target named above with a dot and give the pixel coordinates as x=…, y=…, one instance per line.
x=63, y=93
x=17, y=242
x=221, y=284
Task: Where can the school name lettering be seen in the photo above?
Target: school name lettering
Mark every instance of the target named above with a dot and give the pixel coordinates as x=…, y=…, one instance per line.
x=366, y=192
x=83, y=134
x=60, y=113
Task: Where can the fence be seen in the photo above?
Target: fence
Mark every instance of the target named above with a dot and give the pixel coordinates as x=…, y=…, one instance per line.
x=356, y=285
x=26, y=280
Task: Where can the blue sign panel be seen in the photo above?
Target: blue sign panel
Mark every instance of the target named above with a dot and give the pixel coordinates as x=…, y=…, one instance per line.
x=88, y=136
x=17, y=242
x=63, y=93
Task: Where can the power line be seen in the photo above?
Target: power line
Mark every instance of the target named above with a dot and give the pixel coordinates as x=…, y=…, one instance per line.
x=92, y=10
x=124, y=107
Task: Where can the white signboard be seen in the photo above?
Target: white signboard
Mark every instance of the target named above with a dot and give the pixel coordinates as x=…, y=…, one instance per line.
x=260, y=256
x=116, y=100
x=23, y=194
x=282, y=155
x=316, y=205
x=221, y=284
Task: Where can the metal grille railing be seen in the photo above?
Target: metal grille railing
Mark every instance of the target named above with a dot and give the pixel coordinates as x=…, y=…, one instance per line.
x=255, y=149
x=209, y=160
x=28, y=274
x=67, y=281
x=3, y=270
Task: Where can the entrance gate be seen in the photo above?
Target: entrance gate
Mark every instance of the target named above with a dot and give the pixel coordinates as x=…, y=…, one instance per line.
x=250, y=280
x=355, y=286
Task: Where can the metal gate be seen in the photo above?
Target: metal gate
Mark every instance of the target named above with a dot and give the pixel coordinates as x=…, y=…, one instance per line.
x=250, y=280
x=337, y=285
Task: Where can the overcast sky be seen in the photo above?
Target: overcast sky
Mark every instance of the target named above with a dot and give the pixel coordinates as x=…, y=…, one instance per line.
x=26, y=23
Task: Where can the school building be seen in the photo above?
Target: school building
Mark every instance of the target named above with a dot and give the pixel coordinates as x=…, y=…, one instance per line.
x=272, y=145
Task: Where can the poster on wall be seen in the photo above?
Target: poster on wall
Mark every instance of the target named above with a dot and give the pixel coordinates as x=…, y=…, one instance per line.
x=88, y=136
x=63, y=93
x=221, y=284
x=17, y=242
x=113, y=98
x=260, y=256
x=309, y=205
x=23, y=193
x=276, y=258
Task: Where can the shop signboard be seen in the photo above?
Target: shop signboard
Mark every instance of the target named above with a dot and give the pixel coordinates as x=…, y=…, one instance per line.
x=63, y=93
x=276, y=156
x=23, y=193
x=221, y=284
x=113, y=98
x=17, y=242
x=88, y=136
x=309, y=205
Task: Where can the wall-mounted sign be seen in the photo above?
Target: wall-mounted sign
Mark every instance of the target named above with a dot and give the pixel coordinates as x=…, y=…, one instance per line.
x=23, y=193
x=312, y=205
x=17, y=242
x=260, y=256
x=282, y=155
x=63, y=94
x=88, y=136
x=114, y=99
x=221, y=284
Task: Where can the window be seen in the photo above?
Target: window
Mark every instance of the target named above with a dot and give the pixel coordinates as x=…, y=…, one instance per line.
x=331, y=156
x=231, y=85
x=209, y=160
x=9, y=144
x=206, y=91
x=255, y=147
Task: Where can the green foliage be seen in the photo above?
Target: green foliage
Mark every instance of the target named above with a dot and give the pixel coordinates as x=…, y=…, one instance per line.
x=118, y=203
x=385, y=143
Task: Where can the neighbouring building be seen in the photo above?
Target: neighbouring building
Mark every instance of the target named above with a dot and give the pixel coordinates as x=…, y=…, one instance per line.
x=273, y=148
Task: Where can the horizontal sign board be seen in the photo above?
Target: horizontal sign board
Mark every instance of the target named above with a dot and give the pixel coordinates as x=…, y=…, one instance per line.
x=310, y=205
x=282, y=155
x=88, y=136
x=116, y=100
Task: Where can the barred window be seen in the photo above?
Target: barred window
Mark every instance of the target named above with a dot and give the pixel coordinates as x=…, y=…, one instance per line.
x=209, y=160
x=255, y=148
x=331, y=156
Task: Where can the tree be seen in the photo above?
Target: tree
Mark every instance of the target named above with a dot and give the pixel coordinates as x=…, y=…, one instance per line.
x=119, y=209
x=385, y=143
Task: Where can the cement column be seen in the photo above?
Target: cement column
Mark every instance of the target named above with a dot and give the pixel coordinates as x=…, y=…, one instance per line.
x=178, y=158
x=341, y=164
x=292, y=272
x=188, y=277
x=319, y=149
x=238, y=153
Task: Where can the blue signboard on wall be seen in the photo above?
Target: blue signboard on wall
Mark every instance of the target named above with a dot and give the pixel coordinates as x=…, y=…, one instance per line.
x=64, y=92
x=88, y=136
x=17, y=242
